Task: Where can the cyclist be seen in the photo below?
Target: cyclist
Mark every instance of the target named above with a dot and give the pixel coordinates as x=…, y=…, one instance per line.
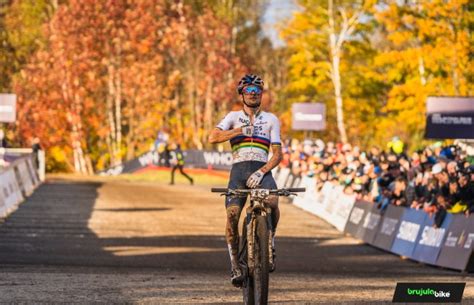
x=251, y=132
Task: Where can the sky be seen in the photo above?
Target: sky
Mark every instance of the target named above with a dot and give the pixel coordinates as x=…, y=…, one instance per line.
x=277, y=11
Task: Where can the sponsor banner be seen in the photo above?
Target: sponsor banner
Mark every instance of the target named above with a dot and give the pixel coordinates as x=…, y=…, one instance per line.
x=429, y=245
x=370, y=227
x=340, y=214
x=292, y=181
x=456, y=251
x=193, y=158
x=282, y=176
x=32, y=171
x=331, y=199
x=3, y=199
x=10, y=192
x=409, y=232
x=365, y=221
x=307, y=200
x=308, y=116
x=450, y=118
x=356, y=218
x=296, y=182
x=7, y=108
x=388, y=228
x=24, y=178
x=209, y=159
x=330, y=204
x=428, y=292
x=149, y=158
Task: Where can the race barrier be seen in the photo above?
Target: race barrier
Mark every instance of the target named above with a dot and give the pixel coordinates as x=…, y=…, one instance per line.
x=193, y=159
x=407, y=232
x=18, y=179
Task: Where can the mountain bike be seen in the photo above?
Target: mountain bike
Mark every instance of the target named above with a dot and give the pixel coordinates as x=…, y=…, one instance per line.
x=255, y=250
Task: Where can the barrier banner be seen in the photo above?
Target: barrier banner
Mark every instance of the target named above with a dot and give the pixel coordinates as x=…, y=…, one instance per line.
x=388, y=228
x=282, y=177
x=409, y=232
x=24, y=178
x=3, y=199
x=331, y=199
x=149, y=158
x=323, y=192
x=33, y=172
x=342, y=211
x=371, y=225
x=11, y=193
x=356, y=217
x=307, y=200
x=293, y=181
x=428, y=247
x=456, y=252
x=193, y=158
x=209, y=159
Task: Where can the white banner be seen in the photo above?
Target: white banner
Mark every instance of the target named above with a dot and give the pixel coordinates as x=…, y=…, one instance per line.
x=10, y=192
x=330, y=204
x=26, y=183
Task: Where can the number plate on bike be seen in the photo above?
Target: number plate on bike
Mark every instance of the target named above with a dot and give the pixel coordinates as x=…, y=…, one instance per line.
x=259, y=194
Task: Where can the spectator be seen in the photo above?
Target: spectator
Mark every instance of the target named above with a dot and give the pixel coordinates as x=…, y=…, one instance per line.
x=396, y=146
x=452, y=169
x=36, y=147
x=436, y=179
x=177, y=161
x=3, y=140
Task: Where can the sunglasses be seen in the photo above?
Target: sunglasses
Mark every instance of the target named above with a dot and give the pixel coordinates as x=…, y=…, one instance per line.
x=252, y=89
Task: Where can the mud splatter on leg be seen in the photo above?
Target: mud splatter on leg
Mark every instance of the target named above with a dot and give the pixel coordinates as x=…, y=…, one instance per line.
x=232, y=233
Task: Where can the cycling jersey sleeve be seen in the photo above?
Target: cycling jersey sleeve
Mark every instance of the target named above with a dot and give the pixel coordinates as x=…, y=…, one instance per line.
x=275, y=132
x=226, y=122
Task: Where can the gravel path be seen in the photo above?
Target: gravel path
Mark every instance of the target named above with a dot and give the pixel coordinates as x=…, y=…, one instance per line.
x=110, y=241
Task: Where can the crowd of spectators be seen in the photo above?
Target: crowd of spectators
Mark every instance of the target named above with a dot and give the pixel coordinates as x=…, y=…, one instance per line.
x=438, y=179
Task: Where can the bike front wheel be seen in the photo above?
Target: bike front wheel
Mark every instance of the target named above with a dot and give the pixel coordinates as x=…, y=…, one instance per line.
x=261, y=271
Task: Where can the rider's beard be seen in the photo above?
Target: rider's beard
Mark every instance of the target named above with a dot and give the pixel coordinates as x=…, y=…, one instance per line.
x=252, y=103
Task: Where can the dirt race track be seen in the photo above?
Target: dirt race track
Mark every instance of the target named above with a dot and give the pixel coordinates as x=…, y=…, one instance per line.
x=109, y=241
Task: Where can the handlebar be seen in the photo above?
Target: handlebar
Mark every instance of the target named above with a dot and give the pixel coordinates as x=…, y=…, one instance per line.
x=279, y=192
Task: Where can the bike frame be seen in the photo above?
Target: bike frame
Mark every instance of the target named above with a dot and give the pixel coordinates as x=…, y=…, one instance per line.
x=257, y=208
x=256, y=291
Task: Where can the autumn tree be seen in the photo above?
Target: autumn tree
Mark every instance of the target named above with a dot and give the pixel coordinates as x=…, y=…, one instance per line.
x=115, y=72
x=320, y=37
x=424, y=50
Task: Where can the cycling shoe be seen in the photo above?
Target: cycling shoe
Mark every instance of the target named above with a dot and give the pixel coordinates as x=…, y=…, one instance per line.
x=237, y=277
x=272, y=267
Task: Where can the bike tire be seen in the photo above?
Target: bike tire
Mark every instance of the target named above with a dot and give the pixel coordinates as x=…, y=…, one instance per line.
x=261, y=274
x=247, y=291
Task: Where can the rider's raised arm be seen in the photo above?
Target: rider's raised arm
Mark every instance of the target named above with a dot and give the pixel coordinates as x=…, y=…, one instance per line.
x=218, y=135
x=224, y=131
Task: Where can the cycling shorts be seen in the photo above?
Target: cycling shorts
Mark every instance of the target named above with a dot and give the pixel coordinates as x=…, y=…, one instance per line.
x=239, y=174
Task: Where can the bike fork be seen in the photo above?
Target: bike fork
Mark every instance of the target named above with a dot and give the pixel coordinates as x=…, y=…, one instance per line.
x=250, y=240
x=270, y=230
